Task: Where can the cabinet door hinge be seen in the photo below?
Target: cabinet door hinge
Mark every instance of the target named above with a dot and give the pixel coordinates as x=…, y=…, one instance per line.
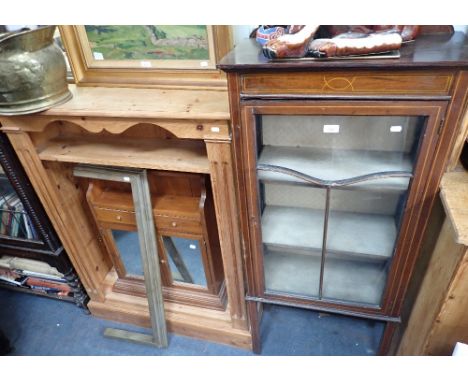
x=441, y=125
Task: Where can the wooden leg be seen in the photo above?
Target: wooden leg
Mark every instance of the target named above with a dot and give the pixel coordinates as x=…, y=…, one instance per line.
x=386, y=340
x=254, y=326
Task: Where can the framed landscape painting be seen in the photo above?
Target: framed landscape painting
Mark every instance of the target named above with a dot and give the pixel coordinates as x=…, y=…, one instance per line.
x=147, y=55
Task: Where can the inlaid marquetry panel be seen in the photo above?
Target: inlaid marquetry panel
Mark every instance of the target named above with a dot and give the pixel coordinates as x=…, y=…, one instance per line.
x=434, y=83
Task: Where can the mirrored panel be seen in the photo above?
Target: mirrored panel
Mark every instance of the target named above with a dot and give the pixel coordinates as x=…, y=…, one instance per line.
x=128, y=245
x=185, y=260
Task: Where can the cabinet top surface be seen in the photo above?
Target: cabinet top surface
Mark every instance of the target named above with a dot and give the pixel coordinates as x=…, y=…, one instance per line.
x=454, y=197
x=425, y=51
x=144, y=103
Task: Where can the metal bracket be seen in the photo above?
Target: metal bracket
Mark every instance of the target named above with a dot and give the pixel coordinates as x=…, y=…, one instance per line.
x=149, y=250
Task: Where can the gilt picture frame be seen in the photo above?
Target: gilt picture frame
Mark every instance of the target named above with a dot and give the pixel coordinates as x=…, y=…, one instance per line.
x=174, y=56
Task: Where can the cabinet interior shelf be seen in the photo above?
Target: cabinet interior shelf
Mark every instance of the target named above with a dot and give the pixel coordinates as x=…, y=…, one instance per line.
x=350, y=234
x=157, y=154
x=353, y=281
x=329, y=164
x=37, y=292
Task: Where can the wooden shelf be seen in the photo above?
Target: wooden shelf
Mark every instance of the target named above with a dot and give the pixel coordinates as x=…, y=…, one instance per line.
x=114, y=200
x=352, y=235
x=175, y=155
x=36, y=292
x=350, y=281
x=184, y=104
x=170, y=205
x=336, y=164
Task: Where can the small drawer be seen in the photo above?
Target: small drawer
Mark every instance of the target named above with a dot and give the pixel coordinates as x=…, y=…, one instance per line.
x=177, y=224
x=429, y=83
x=115, y=216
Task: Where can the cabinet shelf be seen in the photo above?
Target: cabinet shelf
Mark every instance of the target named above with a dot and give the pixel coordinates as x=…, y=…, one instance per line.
x=35, y=292
x=336, y=164
x=350, y=234
x=158, y=154
x=352, y=281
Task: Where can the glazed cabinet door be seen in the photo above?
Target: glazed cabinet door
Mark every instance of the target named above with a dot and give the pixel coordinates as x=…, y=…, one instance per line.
x=331, y=189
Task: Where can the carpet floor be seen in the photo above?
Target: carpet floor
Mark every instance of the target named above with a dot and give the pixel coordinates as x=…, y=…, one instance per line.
x=42, y=326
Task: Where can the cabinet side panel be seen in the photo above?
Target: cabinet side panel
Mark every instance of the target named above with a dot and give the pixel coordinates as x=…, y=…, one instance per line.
x=449, y=129
x=462, y=134
x=82, y=248
x=431, y=235
x=451, y=325
x=222, y=181
x=72, y=202
x=432, y=293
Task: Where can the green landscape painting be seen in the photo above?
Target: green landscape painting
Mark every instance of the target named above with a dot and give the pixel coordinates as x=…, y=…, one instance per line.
x=149, y=42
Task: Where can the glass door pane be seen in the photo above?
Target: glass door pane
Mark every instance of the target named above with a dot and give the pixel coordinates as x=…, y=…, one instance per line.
x=332, y=193
x=334, y=148
x=292, y=232
x=361, y=236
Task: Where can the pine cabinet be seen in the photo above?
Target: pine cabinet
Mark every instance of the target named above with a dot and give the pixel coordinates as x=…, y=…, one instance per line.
x=181, y=138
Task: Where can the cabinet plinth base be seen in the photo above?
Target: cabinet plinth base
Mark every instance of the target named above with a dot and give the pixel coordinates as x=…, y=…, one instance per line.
x=188, y=321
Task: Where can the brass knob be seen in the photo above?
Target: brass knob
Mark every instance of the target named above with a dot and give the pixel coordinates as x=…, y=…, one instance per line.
x=174, y=224
x=118, y=217
x=163, y=261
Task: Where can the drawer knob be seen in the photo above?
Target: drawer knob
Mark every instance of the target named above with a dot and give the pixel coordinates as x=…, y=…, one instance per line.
x=174, y=224
x=118, y=217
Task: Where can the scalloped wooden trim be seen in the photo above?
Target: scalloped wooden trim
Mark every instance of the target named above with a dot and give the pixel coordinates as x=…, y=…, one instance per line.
x=187, y=129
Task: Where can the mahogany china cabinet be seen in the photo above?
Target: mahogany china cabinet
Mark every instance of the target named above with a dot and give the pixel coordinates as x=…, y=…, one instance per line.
x=337, y=166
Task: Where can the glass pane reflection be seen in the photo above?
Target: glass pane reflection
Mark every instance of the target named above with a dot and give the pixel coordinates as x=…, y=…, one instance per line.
x=363, y=218
x=292, y=233
x=129, y=249
x=185, y=260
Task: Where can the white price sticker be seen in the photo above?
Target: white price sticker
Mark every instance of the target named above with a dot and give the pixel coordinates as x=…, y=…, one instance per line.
x=98, y=56
x=126, y=179
x=204, y=64
x=331, y=129
x=193, y=246
x=215, y=129
x=396, y=129
x=145, y=64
